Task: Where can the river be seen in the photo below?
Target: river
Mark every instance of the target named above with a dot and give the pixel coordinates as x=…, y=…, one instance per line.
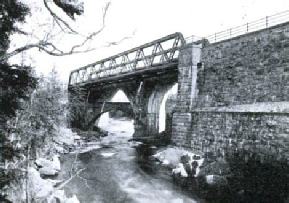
x=116, y=171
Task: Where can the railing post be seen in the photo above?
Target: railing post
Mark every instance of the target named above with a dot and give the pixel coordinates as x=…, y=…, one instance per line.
x=215, y=37
x=266, y=21
x=247, y=27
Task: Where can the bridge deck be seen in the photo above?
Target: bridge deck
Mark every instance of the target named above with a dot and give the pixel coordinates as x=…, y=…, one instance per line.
x=152, y=72
x=153, y=57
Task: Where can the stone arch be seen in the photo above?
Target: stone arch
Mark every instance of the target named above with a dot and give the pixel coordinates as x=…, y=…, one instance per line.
x=165, y=113
x=153, y=106
x=108, y=97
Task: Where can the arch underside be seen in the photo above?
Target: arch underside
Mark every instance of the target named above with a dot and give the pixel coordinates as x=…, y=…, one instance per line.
x=145, y=96
x=154, y=106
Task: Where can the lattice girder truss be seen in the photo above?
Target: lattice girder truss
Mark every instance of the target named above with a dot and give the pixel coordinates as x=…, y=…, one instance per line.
x=158, y=52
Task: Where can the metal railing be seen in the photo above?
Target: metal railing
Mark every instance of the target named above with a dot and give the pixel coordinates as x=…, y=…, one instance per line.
x=262, y=23
x=157, y=52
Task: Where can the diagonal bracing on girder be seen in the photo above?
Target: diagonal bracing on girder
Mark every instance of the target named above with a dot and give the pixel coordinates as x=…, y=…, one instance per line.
x=131, y=61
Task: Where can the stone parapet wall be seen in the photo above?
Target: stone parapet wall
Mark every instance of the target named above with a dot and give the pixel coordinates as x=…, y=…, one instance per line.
x=246, y=69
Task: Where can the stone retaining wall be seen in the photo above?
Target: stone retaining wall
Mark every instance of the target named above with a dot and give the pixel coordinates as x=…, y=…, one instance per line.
x=246, y=69
x=242, y=71
x=263, y=135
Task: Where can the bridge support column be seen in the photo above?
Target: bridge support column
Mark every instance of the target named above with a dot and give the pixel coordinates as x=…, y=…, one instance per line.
x=140, y=124
x=189, y=59
x=148, y=103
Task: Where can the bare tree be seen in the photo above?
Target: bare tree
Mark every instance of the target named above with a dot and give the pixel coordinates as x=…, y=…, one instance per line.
x=59, y=27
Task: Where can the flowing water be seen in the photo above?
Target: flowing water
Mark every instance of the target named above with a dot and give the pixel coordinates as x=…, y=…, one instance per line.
x=118, y=172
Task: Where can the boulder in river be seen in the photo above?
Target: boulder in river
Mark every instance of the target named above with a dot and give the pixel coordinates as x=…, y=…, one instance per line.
x=41, y=162
x=48, y=171
x=185, y=158
x=38, y=187
x=47, y=167
x=179, y=174
x=165, y=162
x=180, y=171
x=65, y=136
x=191, y=168
x=56, y=163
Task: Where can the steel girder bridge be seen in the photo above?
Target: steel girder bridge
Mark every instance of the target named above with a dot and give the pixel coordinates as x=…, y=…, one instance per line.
x=152, y=57
x=144, y=74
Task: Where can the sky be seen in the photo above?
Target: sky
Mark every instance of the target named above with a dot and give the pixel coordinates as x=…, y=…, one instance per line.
x=141, y=20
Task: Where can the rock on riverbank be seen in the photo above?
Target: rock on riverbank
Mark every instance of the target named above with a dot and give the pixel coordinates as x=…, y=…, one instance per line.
x=189, y=168
x=39, y=187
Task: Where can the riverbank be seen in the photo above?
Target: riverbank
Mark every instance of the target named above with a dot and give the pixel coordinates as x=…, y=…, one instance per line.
x=112, y=169
x=41, y=183
x=120, y=171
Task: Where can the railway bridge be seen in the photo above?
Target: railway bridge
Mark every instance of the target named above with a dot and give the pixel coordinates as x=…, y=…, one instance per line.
x=233, y=88
x=144, y=74
x=232, y=104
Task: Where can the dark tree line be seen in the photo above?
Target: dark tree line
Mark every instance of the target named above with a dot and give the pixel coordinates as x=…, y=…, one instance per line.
x=17, y=83
x=15, y=80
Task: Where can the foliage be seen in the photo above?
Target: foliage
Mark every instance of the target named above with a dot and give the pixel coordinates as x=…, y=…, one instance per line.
x=48, y=101
x=14, y=79
x=11, y=77
x=30, y=132
x=78, y=107
x=38, y=119
x=15, y=83
x=70, y=7
x=82, y=115
x=10, y=11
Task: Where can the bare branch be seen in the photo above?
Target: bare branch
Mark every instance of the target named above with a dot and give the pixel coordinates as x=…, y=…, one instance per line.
x=17, y=30
x=54, y=51
x=97, y=32
x=17, y=51
x=44, y=47
x=118, y=42
x=45, y=44
x=57, y=19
